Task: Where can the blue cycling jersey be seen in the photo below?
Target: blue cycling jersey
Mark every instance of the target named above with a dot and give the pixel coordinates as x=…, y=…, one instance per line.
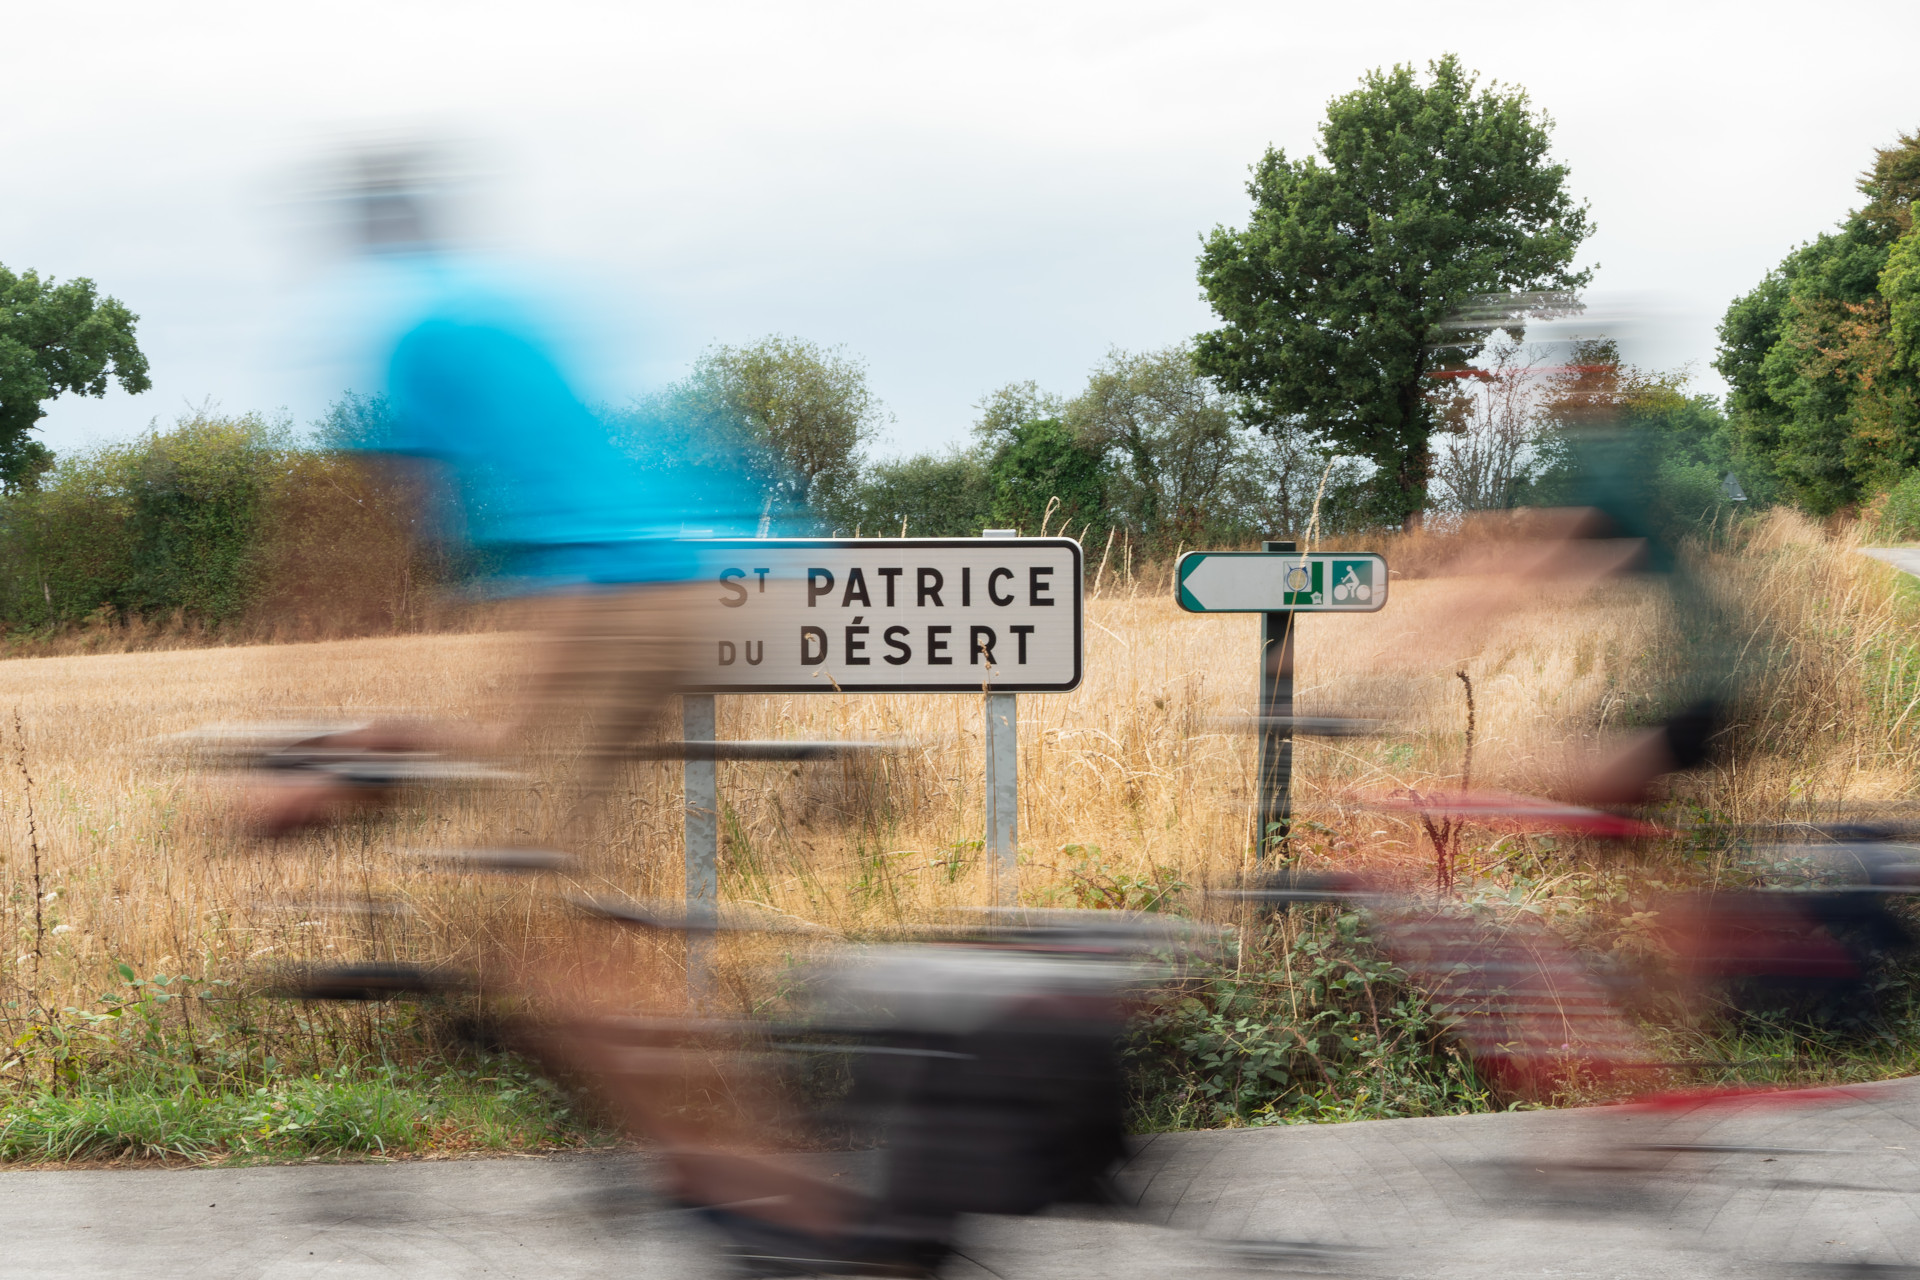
x=536, y=477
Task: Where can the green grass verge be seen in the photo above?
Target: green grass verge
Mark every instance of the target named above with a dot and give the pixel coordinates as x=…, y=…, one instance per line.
x=346, y=1112
x=1308, y=1023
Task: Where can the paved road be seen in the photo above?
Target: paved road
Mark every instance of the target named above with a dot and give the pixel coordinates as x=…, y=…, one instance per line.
x=1824, y=1186
x=1907, y=558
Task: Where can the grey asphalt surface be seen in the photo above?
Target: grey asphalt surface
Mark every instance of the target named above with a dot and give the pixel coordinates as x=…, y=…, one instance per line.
x=1907, y=558
x=1818, y=1185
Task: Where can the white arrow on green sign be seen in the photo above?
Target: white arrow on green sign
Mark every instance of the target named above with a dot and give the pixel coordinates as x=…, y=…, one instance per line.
x=1270, y=581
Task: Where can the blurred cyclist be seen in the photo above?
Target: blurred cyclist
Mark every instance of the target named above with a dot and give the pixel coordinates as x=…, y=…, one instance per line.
x=519, y=470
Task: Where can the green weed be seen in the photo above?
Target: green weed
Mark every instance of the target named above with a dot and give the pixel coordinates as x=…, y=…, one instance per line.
x=1095, y=883
x=1317, y=1027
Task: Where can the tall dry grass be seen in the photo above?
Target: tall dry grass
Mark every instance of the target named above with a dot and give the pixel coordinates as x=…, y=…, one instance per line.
x=1132, y=785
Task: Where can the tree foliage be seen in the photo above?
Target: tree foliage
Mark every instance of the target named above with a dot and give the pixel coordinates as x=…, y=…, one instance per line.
x=1631, y=440
x=1046, y=478
x=928, y=495
x=355, y=421
x=807, y=408
x=56, y=339
x=1368, y=268
x=1172, y=444
x=1820, y=355
x=1500, y=444
x=1010, y=406
x=1900, y=287
x=170, y=521
x=1150, y=446
x=218, y=520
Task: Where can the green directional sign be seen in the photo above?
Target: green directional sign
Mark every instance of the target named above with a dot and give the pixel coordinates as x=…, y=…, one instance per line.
x=1270, y=581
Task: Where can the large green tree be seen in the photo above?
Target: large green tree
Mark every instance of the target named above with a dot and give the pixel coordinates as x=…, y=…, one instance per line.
x=1820, y=356
x=1432, y=217
x=56, y=339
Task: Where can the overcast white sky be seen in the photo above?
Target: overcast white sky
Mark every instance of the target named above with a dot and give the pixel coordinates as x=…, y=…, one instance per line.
x=962, y=195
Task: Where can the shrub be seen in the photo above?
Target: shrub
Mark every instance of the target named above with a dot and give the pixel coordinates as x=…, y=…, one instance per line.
x=220, y=522
x=1899, y=515
x=1310, y=1024
x=930, y=495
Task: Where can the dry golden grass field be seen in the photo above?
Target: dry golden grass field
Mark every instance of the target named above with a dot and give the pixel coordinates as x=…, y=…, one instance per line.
x=1135, y=783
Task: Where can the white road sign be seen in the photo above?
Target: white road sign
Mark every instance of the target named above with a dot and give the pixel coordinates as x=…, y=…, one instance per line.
x=1271, y=581
x=891, y=615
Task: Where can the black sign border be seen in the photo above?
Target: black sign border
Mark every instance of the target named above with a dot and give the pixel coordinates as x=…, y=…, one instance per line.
x=975, y=686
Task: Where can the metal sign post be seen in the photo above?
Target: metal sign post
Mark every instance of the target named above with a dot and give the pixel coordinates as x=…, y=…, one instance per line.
x=1002, y=844
x=703, y=847
x=1273, y=812
x=1001, y=745
x=1278, y=583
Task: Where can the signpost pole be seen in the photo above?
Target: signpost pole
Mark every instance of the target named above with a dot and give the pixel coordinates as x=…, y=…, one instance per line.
x=1279, y=583
x=1003, y=784
x=1003, y=798
x=703, y=847
x=1273, y=812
